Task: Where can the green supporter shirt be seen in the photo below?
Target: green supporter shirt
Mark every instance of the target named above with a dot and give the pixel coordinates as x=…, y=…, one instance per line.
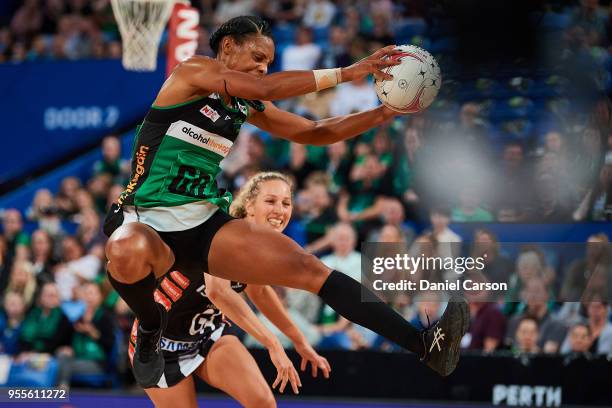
x=479, y=215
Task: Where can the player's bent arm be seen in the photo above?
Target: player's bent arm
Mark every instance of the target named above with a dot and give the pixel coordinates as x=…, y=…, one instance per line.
x=209, y=75
x=318, y=133
x=204, y=74
x=268, y=303
x=221, y=294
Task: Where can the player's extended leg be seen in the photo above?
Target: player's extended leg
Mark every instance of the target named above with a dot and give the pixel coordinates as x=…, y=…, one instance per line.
x=179, y=395
x=244, y=252
x=232, y=369
x=136, y=257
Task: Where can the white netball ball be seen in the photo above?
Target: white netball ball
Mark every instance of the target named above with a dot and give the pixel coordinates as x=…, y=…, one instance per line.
x=415, y=84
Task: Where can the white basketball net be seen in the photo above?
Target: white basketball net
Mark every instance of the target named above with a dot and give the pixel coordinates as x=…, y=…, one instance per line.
x=141, y=23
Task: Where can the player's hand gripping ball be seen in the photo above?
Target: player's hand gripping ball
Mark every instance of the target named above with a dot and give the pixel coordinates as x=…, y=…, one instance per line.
x=415, y=84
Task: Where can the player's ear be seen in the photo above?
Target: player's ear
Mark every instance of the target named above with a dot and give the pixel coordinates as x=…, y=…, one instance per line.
x=227, y=45
x=250, y=208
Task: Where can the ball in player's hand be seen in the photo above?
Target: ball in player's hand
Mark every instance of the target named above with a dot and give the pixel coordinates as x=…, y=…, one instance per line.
x=415, y=84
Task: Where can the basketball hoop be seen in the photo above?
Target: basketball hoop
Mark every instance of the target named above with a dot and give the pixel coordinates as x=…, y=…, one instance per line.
x=141, y=23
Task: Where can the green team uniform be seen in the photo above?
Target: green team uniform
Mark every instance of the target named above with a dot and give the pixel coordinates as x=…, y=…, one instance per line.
x=175, y=160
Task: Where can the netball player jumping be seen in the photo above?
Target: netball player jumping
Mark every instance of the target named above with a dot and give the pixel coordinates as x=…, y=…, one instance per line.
x=193, y=342
x=171, y=215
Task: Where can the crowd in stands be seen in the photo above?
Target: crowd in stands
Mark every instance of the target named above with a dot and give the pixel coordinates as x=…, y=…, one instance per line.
x=465, y=160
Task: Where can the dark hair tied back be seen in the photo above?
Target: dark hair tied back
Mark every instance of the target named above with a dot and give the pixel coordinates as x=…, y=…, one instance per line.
x=239, y=28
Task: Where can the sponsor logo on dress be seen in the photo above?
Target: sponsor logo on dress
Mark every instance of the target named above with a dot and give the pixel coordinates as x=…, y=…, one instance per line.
x=138, y=171
x=174, y=345
x=210, y=113
x=199, y=137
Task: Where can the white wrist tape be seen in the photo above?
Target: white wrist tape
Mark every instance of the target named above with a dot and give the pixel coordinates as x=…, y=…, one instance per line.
x=327, y=78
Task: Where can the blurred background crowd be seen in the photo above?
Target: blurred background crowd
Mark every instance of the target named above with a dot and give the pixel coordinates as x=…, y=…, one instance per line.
x=514, y=141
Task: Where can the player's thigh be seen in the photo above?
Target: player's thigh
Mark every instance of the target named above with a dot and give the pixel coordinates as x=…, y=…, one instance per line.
x=248, y=253
x=179, y=395
x=230, y=367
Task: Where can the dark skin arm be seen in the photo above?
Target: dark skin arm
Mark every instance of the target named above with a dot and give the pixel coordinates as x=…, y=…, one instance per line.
x=322, y=132
x=202, y=75
x=199, y=76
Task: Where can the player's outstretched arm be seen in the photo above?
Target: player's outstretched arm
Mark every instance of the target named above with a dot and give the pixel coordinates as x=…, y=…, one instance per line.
x=268, y=303
x=322, y=132
x=203, y=74
x=221, y=294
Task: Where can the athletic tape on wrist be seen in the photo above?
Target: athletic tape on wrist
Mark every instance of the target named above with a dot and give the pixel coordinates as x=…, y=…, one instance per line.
x=327, y=78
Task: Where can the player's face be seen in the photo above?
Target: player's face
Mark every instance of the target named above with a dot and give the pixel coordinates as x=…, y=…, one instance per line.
x=253, y=56
x=272, y=206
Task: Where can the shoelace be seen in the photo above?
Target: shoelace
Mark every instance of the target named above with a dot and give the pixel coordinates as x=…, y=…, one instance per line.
x=425, y=331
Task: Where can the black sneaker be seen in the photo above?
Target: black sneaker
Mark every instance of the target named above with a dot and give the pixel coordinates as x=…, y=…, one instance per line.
x=148, y=363
x=442, y=341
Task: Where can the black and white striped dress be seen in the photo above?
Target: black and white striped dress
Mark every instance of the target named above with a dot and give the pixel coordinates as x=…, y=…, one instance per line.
x=194, y=324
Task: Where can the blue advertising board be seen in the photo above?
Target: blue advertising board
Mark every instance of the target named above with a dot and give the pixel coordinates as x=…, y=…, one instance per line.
x=51, y=109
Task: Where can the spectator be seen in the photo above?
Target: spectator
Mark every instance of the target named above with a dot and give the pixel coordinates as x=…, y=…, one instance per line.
x=448, y=241
x=233, y=8
x=589, y=18
x=344, y=257
x=44, y=211
x=381, y=32
x=285, y=11
x=488, y=324
x=303, y=54
x=299, y=165
x=66, y=197
x=93, y=339
x=319, y=14
x=351, y=97
x=513, y=185
x=597, y=202
x=27, y=21
x=498, y=268
x=527, y=336
x=580, y=338
x=22, y=281
x=550, y=203
x=338, y=164
x=470, y=209
x=41, y=205
x=316, y=211
x=43, y=259
x=17, y=240
x=111, y=162
x=530, y=264
x=11, y=320
x=472, y=128
x=403, y=170
x=5, y=266
x=113, y=193
x=89, y=232
x=45, y=327
x=535, y=299
x=336, y=53
x=600, y=327
x=581, y=270
x=76, y=267
x=392, y=216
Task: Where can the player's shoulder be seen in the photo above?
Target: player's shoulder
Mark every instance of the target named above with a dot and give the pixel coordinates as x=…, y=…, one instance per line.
x=197, y=62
